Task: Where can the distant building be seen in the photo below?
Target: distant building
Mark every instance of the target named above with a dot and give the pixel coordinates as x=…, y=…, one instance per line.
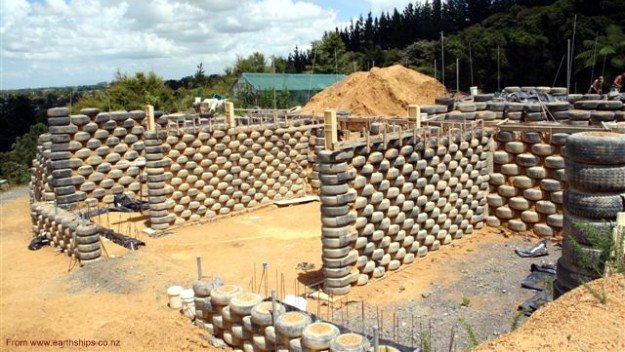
x=298, y=86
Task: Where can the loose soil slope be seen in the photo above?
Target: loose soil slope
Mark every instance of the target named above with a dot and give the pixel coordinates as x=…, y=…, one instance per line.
x=379, y=92
x=576, y=322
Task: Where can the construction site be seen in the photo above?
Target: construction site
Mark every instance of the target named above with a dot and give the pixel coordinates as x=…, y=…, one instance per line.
x=386, y=214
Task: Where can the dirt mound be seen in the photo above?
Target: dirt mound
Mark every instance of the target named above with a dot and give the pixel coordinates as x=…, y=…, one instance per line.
x=379, y=92
x=576, y=322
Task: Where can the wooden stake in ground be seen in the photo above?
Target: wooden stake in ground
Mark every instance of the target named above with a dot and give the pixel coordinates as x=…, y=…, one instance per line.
x=254, y=279
x=274, y=312
x=103, y=247
x=266, y=276
x=199, y=268
x=376, y=339
x=362, y=315
x=412, y=331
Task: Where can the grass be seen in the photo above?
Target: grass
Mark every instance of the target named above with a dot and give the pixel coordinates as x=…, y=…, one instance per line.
x=473, y=341
x=426, y=341
x=612, y=259
x=516, y=320
x=466, y=301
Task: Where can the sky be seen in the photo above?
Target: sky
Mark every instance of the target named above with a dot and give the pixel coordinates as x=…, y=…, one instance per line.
x=53, y=43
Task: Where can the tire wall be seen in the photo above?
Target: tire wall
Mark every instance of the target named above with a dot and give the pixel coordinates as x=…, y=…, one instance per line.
x=66, y=232
x=526, y=188
x=40, y=189
x=94, y=156
x=242, y=331
x=216, y=172
x=205, y=173
x=404, y=199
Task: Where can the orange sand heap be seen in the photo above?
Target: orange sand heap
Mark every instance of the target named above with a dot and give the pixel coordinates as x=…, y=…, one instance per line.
x=380, y=92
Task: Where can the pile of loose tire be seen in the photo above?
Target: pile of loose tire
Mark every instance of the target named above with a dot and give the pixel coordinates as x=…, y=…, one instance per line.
x=247, y=322
x=595, y=169
x=527, y=182
x=66, y=232
x=402, y=200
x=217, y=172
x=574, y=109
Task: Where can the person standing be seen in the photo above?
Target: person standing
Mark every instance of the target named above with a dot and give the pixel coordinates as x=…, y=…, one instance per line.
x=618, y=82
x=597, y=86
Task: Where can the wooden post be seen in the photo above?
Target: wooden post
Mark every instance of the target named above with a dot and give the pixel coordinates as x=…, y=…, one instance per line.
x=414, y=113
x=229, y=107
x=199, y=268
x=149, y=112
x=330, y=129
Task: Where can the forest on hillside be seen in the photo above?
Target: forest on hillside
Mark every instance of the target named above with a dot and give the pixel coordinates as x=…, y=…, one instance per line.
x=495, y=43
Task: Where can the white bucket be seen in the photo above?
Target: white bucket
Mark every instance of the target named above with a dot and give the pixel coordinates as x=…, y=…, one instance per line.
x=473, y=90
x=188, y=305
x=174, y=297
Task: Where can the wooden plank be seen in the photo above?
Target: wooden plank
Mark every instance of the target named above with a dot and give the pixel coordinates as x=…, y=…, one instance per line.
x=414, y=113
x=330, y=128
x=149, y=111
x=299, y=200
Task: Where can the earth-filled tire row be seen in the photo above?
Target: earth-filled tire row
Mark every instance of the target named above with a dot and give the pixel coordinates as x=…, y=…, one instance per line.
x=381, y=207
x=66, y=231
x=206, y=174
x=526, y=187
x=247, y=322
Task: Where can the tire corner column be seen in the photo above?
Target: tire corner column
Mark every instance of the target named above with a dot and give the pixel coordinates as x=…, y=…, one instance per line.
x=155, y=164
x=337, y=218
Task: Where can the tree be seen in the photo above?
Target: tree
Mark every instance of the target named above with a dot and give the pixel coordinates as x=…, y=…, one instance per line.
x=131, y=92
x=610, y=46
x=298, y=59
x=330, y=54
x=15, y=163
x=253, y=63
x=200, y=79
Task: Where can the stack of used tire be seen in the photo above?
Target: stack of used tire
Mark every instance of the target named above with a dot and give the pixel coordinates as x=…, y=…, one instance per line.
x=594, y=112
x=595, y=172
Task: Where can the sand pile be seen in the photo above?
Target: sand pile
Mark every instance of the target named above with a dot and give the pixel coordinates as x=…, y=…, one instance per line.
x=576, y=322
x=379, y=92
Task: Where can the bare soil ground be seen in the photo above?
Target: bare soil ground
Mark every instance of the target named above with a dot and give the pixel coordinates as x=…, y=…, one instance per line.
x=476, y=279
x=122, y=298
x=577, y=321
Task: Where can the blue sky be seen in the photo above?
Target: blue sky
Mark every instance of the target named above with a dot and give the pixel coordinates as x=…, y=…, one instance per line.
x=47, y=43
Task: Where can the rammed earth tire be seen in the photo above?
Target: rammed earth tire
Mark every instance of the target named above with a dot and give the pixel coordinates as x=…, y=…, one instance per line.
x=595, y=178
x=317, y=336
x=570, y=276
x=591, y=259
x=262, y=313
x=585, y=231
x=593, y=205
x=602, y=148
x=243, y=303
x=349, y=342
x=223, y=294
x=291, y=324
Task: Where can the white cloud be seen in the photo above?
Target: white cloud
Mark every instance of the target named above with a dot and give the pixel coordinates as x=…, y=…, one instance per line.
x=60, y=42
x=378, y=6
